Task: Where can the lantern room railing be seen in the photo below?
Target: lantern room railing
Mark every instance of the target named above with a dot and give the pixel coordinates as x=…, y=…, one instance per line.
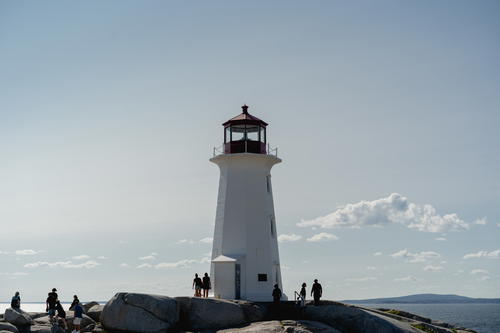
x=220, y=150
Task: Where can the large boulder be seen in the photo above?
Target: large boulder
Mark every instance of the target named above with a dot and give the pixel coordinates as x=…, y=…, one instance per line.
x=40, y=329
x=355, y=320
x=140, y=313
x=212, y=314
x=95, y=312
x=86, y=307
x=17, y=317
x=4, y=326
x=285, y=326
x=35, y=315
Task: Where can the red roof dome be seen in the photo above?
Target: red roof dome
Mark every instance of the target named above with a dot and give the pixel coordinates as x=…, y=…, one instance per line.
x=244, y=118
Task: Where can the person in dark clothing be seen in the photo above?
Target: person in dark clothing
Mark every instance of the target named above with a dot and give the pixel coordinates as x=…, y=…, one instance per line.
x=51, y=304
x=75, y=300
x=316, y=291
x=277, y=294
x=61, y=314
x=206, y=285
x=303, y=294
x=197, y=285
x=15, y=303
x=58, y=327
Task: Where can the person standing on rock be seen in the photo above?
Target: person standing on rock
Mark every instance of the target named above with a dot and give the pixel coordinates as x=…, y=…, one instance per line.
x=303, y=294
x=78, y=317
x=277, y=294
x=51, y=304
x=15, y=303
x=206, y=285
x=316, y=291
x=61, y=314
x=75, y=300
x=197, y=284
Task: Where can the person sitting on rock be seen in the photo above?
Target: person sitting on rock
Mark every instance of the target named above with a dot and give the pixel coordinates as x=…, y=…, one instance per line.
x=303, y=294
x=316, y=291
x=51, y=304
x=75, y=300
x=58, y=327
x=277, y=294
x=15, y=303
x=197, y=285
x=78, y=317
x=61, y=314
x=206, y=285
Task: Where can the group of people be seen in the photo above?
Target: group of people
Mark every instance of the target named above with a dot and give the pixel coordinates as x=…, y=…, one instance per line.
x=316, y=293
x=200, y=285
x=54, y=308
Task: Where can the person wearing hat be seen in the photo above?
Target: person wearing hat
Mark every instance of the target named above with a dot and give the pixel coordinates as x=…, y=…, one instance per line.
x=15, y=303
x=51, y=304
x=276, y=294
x=316, y=291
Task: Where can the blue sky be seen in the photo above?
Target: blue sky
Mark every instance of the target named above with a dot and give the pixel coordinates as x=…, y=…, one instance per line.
x=109, y=112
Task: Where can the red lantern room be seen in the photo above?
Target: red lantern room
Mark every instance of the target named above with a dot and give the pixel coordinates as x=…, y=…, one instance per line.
x=245, y=134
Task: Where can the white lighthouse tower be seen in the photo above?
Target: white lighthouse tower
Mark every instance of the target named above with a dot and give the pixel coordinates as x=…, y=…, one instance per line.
x=245, y=258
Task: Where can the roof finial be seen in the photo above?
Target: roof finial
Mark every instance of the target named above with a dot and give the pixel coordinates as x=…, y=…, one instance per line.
x=245, y=109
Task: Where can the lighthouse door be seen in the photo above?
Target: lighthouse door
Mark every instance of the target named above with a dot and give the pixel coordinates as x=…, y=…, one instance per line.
x=237, y=281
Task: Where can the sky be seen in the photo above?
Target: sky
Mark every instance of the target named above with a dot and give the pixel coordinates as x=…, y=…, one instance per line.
x=385, y=115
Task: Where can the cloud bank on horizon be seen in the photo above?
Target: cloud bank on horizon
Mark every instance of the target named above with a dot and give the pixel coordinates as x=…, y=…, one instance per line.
x=394, y=209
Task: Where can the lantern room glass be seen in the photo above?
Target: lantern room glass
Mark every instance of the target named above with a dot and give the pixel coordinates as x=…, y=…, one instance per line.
x=245, y=132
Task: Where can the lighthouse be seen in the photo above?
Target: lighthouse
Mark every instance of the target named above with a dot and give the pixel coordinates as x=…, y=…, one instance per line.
x=245, y=258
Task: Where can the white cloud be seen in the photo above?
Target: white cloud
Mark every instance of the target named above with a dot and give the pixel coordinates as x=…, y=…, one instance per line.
x=322, y=236
x=151, y=256
x=145, y=265
x=416, y=257
x=178, y=264
x=185, y=241
x=288, y=238
x=479, y=271
x=371, y=268
x=102, y=257
x=63, y=264
x=124, y=265
x=81, y=257
x=207, y=240
x=376, y=254
x=362, y=279
x=482, y=221
x=440, y=239
x=15, y=274
x=431, y=268
x=405, y=279
x=27, y=252
x=394, y=209
x=483, y=254
x=484, y=278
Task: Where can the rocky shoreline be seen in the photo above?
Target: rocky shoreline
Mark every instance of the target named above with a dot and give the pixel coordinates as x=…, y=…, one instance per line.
x=143, y=313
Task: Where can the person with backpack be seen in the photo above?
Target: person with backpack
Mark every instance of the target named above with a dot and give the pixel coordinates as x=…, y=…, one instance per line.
x=51, y=304
x=15, y=303
x=197, y=285
x=206, y=285
x=277, y=294
x=316, y=291
x=77, y=321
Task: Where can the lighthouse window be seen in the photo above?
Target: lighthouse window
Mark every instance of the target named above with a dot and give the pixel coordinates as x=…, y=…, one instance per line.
x=262, y=277
x=272, y=225
x=268, y=183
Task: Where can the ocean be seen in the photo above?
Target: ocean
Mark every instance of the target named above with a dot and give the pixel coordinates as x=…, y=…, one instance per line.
x=483, y=318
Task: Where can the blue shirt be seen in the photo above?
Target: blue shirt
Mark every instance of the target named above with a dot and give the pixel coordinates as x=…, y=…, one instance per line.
x=78, y=311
